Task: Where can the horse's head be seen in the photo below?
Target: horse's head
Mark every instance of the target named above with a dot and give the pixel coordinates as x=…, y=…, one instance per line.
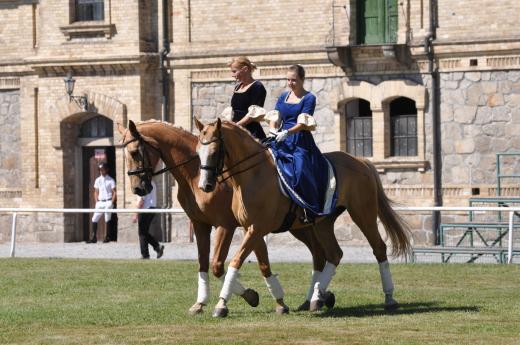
x=211, y=151
x=141, y=155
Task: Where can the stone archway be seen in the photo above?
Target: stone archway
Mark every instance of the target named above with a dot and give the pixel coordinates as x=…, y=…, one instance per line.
x=65, y=138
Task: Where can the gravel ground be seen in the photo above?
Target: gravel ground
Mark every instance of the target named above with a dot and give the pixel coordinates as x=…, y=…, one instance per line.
x=173, y=251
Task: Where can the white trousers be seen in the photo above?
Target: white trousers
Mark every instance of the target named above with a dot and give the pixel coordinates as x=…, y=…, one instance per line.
x=102, y=205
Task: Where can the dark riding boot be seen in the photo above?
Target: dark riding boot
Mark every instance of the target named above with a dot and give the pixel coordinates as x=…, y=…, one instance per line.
x=94, y=232
x=108, y=236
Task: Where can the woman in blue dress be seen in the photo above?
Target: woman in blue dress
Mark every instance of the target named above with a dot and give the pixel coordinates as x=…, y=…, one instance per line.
x=304, y=170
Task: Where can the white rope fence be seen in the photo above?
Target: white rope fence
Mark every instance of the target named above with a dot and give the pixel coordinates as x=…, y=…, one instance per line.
x=15, y=211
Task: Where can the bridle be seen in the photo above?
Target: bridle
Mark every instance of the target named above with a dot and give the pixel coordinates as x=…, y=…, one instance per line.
x=218, y=169
x=146, y=168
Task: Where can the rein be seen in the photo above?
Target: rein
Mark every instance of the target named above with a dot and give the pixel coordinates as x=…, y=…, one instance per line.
x=219, y=168
x=148, y=169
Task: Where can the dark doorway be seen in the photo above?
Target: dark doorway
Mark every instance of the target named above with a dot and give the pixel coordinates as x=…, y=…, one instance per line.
x=92, y=156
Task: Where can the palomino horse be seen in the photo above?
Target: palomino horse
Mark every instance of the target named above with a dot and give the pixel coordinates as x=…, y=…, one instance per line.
x=151, y=141
x=260, y=207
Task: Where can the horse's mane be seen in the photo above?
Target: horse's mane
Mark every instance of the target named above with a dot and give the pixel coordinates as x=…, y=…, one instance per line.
x=166, y=123
x=241, y=131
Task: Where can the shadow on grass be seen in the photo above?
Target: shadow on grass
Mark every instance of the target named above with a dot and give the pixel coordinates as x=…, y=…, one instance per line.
x=405, y=309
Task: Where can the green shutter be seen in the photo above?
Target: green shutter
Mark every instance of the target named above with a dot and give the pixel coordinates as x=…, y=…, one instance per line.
x=377, y=21
x=391, y=21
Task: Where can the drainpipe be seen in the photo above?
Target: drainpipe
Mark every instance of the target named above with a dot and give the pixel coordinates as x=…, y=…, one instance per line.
x=435, y=113
x=165, y=79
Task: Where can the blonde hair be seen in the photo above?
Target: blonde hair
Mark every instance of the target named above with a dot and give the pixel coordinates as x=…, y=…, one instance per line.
x=243, y=61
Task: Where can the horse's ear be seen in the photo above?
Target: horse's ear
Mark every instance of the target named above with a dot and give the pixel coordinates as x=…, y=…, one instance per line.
x=219, y=123
x=132, y=128
x=121, y=129
x=198, y=124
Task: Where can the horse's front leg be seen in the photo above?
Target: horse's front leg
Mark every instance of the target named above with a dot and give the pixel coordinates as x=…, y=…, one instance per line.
x=202, y=234
x=223, y=238
x=271, y=280
x=250, y=240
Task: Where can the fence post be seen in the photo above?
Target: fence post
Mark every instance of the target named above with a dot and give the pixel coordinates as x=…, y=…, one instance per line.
x=510, y=235
x=13, y=234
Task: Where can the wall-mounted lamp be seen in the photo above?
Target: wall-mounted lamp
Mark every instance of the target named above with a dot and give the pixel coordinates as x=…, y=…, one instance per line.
x=81, y=101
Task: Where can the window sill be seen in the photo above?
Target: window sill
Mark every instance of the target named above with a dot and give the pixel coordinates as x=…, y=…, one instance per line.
x=88, y=29
x=402, y=163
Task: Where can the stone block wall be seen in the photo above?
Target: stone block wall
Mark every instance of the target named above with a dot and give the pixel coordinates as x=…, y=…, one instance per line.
x=210, y=99
x=480, y=117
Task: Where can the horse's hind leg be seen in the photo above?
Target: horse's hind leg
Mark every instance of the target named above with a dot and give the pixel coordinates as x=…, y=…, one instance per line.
x=367, y=222
x=223, y=238
x=307, y=236
x=324, y=232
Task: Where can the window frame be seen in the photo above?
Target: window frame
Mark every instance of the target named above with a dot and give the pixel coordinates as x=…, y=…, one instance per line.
x=92, y=3
x=355, y=141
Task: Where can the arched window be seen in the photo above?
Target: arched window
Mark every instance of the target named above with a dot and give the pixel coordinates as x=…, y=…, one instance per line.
x=97, y=127
x=359, y=128
x=403, y=124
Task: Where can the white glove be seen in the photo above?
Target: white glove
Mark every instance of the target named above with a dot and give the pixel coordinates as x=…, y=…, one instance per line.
x=281, y=136
x=272, y=133
x=109, y=205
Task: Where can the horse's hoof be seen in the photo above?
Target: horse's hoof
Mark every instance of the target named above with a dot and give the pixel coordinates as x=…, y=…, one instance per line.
x=196, y=309
x=251, y=297
x=315, y=306
x=329, y=299
x=304, y=306
x=281, y=309
x=220, y=312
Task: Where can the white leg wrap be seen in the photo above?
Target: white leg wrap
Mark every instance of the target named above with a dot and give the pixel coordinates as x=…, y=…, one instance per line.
x=314, y=279
x=274, y=286
x=386, y=278
x=326, y=276
x=237, y=288
x=203, y=292
x=229, y=281
x=316, y=293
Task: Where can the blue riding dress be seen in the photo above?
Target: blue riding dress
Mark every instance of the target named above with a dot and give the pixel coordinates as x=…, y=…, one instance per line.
x=304, y=171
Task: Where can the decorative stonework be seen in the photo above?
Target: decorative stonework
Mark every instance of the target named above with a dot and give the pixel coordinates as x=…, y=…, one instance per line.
x=97, y=103
x=9, y=83
x=263, y=73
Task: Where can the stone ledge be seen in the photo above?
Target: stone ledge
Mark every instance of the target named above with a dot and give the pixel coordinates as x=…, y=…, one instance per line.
x=385, y=165
x=88, y=30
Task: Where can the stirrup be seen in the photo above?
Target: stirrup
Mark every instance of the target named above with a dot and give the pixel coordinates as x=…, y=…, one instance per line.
x=305, y=219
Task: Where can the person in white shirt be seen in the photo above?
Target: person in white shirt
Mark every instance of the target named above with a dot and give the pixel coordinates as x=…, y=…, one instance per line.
x=105, y=196
x=143, y=222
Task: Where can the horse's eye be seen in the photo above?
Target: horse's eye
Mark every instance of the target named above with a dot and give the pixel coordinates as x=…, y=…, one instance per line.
x=133, y=154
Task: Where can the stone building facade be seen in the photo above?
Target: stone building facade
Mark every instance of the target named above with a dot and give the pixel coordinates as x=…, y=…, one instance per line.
x=367, y=63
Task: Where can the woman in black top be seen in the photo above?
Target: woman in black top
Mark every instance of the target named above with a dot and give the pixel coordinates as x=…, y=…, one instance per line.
x=248, y=92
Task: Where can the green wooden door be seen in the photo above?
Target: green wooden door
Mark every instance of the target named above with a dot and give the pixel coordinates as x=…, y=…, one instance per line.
x=377, y=21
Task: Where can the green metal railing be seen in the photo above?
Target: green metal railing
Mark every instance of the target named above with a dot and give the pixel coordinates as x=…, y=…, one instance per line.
x=501, y=176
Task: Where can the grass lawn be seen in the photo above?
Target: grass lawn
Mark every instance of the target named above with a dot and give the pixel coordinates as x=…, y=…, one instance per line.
x=54, y=301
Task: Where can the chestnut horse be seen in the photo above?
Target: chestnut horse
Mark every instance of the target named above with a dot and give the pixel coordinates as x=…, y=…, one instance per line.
x=147, y=143
x=260, y=207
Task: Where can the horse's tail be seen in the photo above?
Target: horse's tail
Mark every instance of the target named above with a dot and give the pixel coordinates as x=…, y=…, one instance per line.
x=395, y=226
